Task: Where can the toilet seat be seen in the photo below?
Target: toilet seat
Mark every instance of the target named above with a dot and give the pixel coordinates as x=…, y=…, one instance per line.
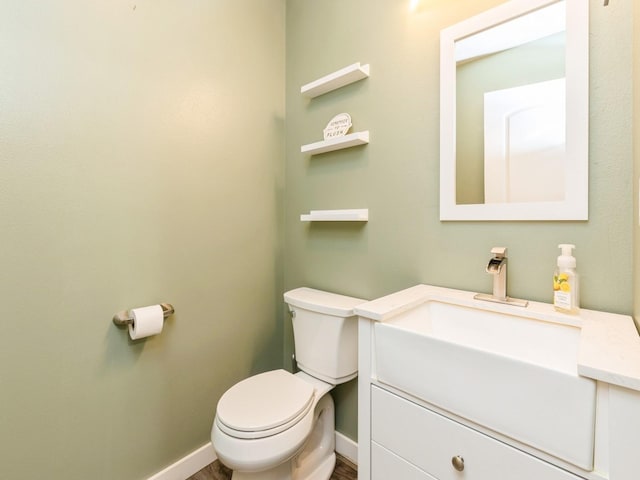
x=264, y=405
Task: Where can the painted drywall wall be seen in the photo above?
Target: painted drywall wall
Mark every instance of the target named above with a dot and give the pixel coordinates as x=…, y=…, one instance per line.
x=396, y=176
x=141, y=161
x=636, y=156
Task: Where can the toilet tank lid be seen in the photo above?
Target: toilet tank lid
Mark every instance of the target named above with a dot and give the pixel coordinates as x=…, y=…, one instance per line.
x=322, y=302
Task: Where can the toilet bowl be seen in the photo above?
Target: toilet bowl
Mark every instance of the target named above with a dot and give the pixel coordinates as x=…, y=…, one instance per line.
x=254, y=445
x=280, y=426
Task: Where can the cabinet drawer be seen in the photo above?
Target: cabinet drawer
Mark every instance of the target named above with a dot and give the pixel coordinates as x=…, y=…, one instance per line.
x=386, y=465
x=430, y=441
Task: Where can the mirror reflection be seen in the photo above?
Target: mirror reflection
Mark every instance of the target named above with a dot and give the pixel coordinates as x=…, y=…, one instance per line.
x=510, y=119
x=514, y=113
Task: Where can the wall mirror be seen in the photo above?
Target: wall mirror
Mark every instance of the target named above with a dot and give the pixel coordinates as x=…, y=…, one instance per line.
x=514, y=109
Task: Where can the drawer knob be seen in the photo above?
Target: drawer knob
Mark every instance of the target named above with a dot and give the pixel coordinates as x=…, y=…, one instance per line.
x=458, y=463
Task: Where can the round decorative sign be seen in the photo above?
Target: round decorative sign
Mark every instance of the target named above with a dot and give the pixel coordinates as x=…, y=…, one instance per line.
x=338, y=126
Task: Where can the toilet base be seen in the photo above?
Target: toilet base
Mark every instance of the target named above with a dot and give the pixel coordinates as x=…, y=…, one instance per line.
x=287, y=471
x=281, y=472
x=323, y=470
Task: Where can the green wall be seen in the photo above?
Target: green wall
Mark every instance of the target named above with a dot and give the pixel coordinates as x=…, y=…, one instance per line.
x=141, y=161
x=636, y=156
x=396, y=176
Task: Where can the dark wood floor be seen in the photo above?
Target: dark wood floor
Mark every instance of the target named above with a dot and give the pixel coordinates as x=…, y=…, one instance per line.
x=216, y=471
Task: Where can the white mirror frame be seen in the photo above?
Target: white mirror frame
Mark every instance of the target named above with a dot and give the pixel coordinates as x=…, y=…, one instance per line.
x=576, y=204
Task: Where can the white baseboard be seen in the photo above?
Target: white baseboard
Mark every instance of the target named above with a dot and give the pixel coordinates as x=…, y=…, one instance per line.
x=187, y=466
x=203, y=456
x=347, y=448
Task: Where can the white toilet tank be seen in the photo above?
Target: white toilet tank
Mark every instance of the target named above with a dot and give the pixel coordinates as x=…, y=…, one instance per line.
x=325, y=332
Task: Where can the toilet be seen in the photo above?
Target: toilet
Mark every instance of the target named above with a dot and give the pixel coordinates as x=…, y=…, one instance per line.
x=278, y=425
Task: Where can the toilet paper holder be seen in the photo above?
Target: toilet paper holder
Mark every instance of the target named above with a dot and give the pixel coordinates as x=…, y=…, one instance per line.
x=123, y=318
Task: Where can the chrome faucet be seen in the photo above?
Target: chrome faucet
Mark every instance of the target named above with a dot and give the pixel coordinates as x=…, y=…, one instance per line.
x=497, y=267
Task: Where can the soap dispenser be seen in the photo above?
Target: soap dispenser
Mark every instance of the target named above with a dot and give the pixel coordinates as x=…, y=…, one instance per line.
x=565, y=282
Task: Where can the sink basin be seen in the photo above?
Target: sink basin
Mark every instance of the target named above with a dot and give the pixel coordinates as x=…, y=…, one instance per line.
x=510, y=369
x=547, y=344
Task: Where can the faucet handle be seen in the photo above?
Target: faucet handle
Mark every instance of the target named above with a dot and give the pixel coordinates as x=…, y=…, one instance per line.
x=499, y=251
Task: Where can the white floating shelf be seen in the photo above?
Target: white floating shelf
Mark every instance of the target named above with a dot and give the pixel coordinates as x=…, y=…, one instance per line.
x=347, y=215
x=335, y=80
x=336, y=143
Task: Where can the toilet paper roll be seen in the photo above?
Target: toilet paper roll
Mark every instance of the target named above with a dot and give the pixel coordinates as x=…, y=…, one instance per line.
x=147, y=321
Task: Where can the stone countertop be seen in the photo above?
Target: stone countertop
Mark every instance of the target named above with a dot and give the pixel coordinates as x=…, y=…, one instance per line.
x=609, y=346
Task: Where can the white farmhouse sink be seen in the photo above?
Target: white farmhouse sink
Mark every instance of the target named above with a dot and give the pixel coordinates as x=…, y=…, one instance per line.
x=511, y=369
x=548, y=344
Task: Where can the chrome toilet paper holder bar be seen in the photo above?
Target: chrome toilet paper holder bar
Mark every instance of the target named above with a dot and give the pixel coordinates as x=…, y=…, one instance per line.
x=123, y=318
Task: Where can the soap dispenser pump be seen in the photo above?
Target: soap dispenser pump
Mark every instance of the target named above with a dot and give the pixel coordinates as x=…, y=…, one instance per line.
x=565, y=282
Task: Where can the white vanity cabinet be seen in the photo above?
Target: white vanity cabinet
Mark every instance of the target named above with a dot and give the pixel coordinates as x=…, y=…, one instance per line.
x=406, y=437
x=431, y=408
